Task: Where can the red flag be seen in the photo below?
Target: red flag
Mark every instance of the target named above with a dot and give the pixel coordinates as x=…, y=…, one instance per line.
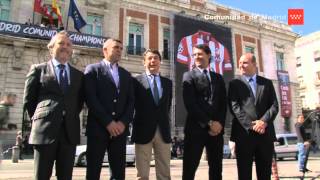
x=38, y=7
x=45, y=12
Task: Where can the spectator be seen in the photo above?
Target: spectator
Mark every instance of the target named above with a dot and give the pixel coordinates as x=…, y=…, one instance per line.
x=303, y=143
x=19, y=140
x=7, y=101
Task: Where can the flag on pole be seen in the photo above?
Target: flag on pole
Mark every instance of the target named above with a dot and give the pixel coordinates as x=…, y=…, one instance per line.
x=56, y=10
x=78, y=21
x=38, y=6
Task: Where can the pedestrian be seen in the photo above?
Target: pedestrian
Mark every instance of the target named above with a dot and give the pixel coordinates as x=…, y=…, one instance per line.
x=204, y=96
x=254, y=106
x=110, y=101
x=53, y=97
x=151, y=123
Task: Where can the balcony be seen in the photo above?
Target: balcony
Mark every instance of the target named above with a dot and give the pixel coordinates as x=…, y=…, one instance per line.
x=302, y=86
x=135, y=50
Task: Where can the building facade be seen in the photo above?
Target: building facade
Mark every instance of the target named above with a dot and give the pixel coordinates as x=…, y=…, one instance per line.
x=307, y=53
x=143, y=24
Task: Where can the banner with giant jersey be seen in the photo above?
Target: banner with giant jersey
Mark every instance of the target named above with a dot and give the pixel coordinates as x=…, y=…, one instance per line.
x=188, y=32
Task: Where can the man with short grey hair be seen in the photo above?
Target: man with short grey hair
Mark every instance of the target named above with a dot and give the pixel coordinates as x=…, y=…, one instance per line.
x=53, y=97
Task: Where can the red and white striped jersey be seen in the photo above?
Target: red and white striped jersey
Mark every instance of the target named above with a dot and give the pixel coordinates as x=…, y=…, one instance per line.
x=220, y=58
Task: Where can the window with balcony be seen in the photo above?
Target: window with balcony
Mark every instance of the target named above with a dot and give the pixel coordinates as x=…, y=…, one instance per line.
x=298, y=61
x=166, y=43
x=94, y=24
x=5, y=10
x=280, y=61
x=316, y=56
x=135, y=40
x=249, y=49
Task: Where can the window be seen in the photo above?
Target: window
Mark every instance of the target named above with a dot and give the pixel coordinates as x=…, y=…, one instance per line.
x=298, y=59
x=135, y=40
x=249, y=49
x=5, y=10
x=281, y=141
x=316, y=56
x=292, y=140
x=318, y=75
x=94, y=24
x=280, y=61
x=166, y=43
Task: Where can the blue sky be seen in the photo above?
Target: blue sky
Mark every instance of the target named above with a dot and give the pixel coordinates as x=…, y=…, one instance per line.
x=280, y=8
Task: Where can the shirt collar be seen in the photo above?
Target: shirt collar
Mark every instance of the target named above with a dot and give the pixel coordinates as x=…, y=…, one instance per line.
x=56, y=63
x=112, y=66
x=254, y=77
x=201, y=69
x=149, y=73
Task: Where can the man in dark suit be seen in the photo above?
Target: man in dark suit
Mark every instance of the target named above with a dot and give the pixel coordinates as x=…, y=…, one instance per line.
x=254, y=105
x=110, y=99
x=53, y=97
x=204, y=96
x=151, y=124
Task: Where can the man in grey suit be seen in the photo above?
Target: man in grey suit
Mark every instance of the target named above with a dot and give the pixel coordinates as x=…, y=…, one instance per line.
x=53, y=97
x=151, y=123
x=253, y=103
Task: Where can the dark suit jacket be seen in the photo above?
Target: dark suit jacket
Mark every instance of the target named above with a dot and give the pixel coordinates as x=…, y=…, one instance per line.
x=45, y=103
x=148, y=115
x=195, y=92
x=245, y=108
x=104, y=101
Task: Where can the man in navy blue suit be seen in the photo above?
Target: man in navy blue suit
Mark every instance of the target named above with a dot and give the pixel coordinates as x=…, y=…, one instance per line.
x=110, y=99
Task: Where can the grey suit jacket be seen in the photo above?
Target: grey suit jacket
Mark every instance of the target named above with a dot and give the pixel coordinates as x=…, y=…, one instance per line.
x=245, y=108
x=50, y=109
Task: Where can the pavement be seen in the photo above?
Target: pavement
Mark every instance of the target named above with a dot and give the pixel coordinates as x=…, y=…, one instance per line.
x=287, y=169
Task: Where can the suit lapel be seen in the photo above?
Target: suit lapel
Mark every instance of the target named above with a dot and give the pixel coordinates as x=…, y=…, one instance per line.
x=52, y=74
x=72, y=79
x=213, y=82
x=108, y=74
x=164, y=89
x=259, y=89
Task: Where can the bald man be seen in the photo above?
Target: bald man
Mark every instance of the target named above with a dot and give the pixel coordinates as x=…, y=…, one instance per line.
x=253, y=103
x=109, y=97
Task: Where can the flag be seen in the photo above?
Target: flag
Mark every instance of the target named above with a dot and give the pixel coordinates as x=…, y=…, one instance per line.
x=38, y=7
x=78, y=21
x=56, y=10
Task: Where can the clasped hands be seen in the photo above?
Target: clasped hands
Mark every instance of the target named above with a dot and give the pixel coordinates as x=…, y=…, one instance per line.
x=259, y=126
x=115, y=128
x=215, y=128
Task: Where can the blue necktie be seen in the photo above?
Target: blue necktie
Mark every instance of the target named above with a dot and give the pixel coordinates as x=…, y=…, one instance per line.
x=63, y=78
x=155, y=90
x=253, y=87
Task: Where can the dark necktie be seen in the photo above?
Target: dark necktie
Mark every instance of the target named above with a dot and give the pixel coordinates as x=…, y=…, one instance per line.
x=155, y=90
x=205, y=73
x=63, y=77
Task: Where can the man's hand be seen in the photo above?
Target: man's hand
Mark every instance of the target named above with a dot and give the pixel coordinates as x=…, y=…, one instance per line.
x=215, y=128
x=113, y=129
x=121, y=126
x=259, y=126
x=306, y=144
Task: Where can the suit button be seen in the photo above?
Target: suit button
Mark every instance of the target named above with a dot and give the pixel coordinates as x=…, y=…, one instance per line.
x=113, y=113
x=63, y=113
x=114, y=100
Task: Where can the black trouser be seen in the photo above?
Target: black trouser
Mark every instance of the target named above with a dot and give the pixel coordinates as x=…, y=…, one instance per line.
x=61, y=152
x=254, y=147
x=193, y=148
x=116, y=148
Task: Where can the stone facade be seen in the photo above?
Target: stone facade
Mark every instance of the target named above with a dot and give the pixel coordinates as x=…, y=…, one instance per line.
x=265, y=36
x=307, y=49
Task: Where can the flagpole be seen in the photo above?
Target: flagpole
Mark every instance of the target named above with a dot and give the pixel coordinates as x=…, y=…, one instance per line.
x=68, y=17
x=33, y=14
